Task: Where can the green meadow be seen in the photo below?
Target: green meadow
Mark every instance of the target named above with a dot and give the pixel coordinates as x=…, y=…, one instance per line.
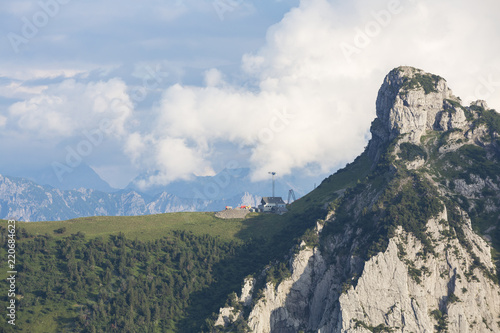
x=150, y=227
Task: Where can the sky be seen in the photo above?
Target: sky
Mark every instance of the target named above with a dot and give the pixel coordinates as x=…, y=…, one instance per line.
x=179, y=88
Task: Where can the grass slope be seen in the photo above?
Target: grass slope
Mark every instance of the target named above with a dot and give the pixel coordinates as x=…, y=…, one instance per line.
x=150, y=227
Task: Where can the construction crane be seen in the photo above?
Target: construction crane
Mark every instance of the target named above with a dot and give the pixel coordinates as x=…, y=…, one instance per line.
x=273, y=174
x=291, y=194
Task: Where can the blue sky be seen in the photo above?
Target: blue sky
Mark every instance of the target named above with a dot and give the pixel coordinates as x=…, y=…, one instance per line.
x=189, y=87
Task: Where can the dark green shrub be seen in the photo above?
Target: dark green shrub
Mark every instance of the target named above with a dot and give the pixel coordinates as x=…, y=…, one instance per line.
x=411, y=152
x=427, y=81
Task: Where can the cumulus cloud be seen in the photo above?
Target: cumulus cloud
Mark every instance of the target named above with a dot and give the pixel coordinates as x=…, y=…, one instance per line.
x=65, y=109
x=33, y=73
x=308, y=95
x=316, y=82
x=16, y=89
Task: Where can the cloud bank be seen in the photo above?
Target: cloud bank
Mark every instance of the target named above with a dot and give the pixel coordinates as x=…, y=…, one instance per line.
x=69, y=108
x=307, y=96
x=315, y=84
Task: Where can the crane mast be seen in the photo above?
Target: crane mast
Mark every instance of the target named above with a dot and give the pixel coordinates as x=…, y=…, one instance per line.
x=291, y=195
x=273, y=174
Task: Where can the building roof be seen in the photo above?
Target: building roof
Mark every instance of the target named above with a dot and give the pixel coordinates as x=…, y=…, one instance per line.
x=272, y=200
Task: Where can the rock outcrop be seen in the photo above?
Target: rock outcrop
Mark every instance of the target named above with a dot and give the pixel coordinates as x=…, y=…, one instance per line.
x=398, y=251
x=411, y=102
x=397, y=288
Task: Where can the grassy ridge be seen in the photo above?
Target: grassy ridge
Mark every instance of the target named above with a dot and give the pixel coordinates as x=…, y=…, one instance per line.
x=150, y=227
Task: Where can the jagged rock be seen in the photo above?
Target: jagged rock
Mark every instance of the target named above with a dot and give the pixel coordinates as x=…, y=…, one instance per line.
x=227, y=315
x=451, y=117
x=480, y=103
x=474, y=189
x=410, y=103
x=246, y=291
x=477, y=134
x=417, y=163
x=469, y=190
x=404, y=108
x=386, y=294
x=269, y=312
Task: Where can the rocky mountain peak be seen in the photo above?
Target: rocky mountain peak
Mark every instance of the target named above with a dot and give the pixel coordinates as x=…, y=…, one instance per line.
x=411, y=231
x=411, y=101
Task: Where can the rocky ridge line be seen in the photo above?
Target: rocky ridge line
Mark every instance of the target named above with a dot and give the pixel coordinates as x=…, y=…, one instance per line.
x=441, y=280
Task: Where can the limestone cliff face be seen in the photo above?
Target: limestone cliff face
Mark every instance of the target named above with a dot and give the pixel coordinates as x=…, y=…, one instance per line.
x=388, y=296
x=397, y=289
x=397, y=252
x=411, y=102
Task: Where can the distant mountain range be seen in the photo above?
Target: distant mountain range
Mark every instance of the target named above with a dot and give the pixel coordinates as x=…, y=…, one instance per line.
x=86, y=194
x=25, y=200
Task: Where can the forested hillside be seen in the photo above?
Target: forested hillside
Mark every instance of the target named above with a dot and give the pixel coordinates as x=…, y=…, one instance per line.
x=173, y=282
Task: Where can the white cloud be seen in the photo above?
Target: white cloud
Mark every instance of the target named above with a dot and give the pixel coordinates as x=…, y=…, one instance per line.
x=213, y=78
x=309, y=92
x=177, y=160
x=64, y=110
x=135, y=146
x=23, y=74
x=314, y=100
x=18, y=90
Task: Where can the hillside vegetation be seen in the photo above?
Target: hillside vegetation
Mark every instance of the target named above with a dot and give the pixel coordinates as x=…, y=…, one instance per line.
x=156, y=273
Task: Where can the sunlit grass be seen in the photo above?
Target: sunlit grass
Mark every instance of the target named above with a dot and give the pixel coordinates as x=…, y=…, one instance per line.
x=150, y=227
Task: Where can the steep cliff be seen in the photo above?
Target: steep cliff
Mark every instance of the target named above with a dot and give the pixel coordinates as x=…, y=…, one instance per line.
x=412, y=245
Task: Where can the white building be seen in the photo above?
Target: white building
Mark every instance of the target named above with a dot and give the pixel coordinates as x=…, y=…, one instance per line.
x=272, y=204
